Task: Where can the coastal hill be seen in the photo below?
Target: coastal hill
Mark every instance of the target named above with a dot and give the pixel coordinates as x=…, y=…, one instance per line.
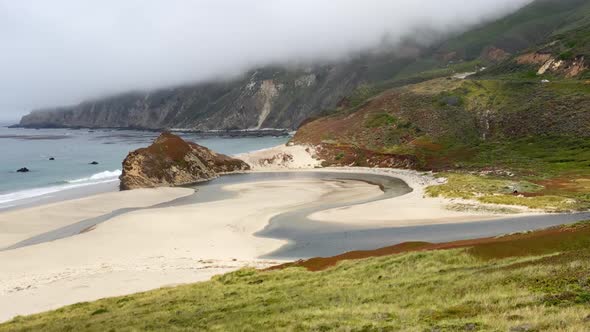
x=171, y=161
x=270, y=97
x=514, y=132
x=500, y=114
x=284, y=97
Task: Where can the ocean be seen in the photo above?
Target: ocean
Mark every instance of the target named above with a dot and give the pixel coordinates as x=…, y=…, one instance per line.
x=74, y=150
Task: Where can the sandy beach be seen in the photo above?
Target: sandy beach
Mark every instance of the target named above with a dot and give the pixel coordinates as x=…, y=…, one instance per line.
x=18, y=225
x=153, y=248
x=158, y=247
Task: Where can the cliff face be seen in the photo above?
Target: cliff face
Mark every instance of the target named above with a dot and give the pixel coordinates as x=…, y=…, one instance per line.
x=171, y=161
x=269, y=97
x=266, y=98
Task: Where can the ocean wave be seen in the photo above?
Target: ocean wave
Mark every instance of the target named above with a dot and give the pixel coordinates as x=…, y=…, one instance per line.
x=98, y=178
x=102, y=176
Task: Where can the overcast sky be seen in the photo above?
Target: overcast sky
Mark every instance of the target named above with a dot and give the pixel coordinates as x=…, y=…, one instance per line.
x=63, y=51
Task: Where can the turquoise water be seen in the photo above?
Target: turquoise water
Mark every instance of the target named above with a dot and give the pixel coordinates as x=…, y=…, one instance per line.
x=74, y=150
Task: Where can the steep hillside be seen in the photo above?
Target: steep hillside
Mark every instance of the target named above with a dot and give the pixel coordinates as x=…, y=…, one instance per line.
x=265, y=98
x=498, y=40
x=284, y=98
x=526, y=28
x=525, y=119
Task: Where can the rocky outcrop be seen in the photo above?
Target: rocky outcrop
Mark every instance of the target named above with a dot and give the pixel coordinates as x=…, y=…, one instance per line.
x=549, y=64
x=494, y=54
x=533, y=58
x=171, y=161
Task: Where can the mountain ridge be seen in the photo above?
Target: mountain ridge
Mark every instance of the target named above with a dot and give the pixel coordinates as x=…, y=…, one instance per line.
x=280, y=97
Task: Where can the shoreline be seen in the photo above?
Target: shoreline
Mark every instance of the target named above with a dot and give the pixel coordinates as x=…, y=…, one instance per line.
x=157, y=247
x=59, y=195
x=262, y=132
x=23, y=223
x=56, y=167
x=169, y=245
x=414, y=207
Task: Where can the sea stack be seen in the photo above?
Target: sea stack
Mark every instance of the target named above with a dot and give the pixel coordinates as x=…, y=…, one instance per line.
x=171, y=161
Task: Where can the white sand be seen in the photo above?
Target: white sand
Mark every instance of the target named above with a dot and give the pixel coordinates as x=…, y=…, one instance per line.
x=281, y=157
x=147, y=249
x=408, y=210
x=411, y=209
x=152, y=248
x=18, y=225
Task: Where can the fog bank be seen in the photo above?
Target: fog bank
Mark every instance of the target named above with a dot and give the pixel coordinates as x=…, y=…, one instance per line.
x=62, y=51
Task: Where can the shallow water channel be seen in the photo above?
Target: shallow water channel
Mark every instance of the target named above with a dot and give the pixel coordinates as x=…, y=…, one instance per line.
x=308, y=238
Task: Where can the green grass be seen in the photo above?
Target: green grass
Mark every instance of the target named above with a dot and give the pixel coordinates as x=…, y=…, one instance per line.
x=521, y=30
x=380, y=120
x=468, y=186
x=537, y=281
x=549, y=156
x=495, y=190
x=537, y=132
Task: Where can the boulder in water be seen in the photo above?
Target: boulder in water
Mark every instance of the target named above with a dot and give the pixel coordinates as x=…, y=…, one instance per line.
x=23, y=170
x=94, y=163
x=51, y=158
x=171, y=161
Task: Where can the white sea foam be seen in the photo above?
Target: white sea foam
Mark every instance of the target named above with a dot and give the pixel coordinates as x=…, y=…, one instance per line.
x=102, y=176
x=98, y=178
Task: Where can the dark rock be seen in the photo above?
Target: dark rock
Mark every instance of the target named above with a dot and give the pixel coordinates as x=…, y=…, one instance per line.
x=522, y=328
x=470, y=327
x=452, y=101
x=51, y=158
x=171, y=161
x=94, y=163
x=23, y=170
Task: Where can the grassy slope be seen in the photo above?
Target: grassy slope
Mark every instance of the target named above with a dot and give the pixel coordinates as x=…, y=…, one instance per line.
x=513, y=130
x=504, y=122
x=526, y=28
x=518, y=31
x=526, y=282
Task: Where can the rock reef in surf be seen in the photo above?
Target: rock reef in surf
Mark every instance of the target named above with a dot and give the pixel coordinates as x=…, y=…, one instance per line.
x=172, y=161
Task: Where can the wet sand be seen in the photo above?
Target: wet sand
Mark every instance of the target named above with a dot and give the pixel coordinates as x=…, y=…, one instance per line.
x=258, y=220
x=20, y=224
x=151, y=248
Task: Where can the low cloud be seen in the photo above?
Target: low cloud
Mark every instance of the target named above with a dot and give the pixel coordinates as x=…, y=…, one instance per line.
x=62, y=51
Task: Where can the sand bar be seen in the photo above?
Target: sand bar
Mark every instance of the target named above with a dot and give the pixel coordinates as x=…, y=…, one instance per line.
x=21, y=224
x=147, y=249
x=151, y=248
